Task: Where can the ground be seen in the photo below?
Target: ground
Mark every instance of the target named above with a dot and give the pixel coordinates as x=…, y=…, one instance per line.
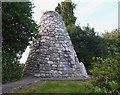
x=58, y=87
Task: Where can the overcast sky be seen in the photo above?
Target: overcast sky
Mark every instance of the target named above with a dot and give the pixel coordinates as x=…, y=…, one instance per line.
x=101, y=15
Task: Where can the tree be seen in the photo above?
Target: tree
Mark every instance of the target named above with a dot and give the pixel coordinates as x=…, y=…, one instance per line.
x=87, y=44
x=113, y=42
x=18, y=29
x=65, y=9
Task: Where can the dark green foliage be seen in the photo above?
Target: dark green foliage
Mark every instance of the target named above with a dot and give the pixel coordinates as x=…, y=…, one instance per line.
x=86, y=43
x=113, y=42
x=65, y=9
x=18, y=29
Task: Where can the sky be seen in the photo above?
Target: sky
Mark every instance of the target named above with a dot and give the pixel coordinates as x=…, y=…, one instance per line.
x=101, y=15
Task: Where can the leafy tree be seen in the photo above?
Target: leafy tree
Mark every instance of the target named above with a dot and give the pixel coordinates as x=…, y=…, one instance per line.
x=65, y=9
x=113, y=42
x=18, y=29
x=86, y=43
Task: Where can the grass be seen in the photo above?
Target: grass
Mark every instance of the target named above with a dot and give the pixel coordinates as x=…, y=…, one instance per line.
x=58, y=87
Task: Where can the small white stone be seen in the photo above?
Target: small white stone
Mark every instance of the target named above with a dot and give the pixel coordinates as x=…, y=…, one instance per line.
x=37, y=75
x=57, y=45
x=50, y=62
x=43, y=40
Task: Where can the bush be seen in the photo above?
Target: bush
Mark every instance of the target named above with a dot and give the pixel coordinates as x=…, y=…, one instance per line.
x=106, y=75
x=11, y=72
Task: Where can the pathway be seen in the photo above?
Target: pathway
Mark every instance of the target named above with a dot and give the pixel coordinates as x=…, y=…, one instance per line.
x=9, y=87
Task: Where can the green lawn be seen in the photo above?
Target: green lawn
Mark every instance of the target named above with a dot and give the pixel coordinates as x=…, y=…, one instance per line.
x=58, y=87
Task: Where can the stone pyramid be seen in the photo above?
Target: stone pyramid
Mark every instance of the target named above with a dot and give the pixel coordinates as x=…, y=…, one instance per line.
x=53, y=56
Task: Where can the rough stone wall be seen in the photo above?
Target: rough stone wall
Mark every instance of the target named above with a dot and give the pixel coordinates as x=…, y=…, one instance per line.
x=53, y=55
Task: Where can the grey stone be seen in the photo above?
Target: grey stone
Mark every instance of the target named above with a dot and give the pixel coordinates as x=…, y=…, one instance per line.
x=50, y=62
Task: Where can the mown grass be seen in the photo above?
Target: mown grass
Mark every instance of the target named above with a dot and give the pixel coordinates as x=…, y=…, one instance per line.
x=58, y=87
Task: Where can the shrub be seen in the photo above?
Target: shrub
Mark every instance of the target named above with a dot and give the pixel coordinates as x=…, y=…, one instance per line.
x=11, y=72
x=106, y=75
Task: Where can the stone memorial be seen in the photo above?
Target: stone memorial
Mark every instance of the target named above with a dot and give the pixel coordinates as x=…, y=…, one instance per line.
x=53, y=55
